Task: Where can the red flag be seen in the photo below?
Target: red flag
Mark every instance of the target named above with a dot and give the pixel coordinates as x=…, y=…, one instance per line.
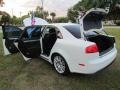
x=32, y=19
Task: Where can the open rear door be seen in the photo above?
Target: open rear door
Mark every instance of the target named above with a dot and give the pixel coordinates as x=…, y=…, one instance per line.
x=10, y=34
x=29, y=42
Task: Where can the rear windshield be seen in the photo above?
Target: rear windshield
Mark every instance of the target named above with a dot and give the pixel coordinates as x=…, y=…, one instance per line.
x=74, y=30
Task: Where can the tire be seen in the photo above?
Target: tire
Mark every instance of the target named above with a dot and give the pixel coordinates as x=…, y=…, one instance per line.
x=60, y=65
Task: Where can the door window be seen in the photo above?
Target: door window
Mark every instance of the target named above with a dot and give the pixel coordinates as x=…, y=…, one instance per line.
x=32, y=33
x=12, y=32
x=49, y=31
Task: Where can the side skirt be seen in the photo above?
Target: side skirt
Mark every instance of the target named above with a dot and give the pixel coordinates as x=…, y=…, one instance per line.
x=45, y=58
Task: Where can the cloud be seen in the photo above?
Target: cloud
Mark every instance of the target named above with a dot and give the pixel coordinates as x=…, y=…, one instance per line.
x=58, y=6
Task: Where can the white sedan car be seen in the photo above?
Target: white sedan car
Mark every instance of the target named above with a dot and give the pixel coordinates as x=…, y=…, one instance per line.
x=77, y=48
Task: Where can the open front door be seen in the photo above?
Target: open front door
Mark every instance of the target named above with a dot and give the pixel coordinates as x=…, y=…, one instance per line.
x=10, y=34
x=29, y=43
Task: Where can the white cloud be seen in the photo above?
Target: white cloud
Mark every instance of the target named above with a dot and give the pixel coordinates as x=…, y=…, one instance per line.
x=60, y=7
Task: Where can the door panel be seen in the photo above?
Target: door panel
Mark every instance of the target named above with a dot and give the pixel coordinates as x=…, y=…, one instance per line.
x=10, y=45
x=10, y=34
x=29, y=43
x=30, y=49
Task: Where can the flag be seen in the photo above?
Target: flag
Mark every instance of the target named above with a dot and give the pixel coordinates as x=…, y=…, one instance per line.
x=33, y=19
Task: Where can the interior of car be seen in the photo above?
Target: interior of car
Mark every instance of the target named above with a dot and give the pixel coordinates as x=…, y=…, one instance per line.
x=49, y=40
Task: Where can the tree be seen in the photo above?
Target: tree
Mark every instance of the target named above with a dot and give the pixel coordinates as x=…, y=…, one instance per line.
x=84, y=5
x=53, y=16
x=46, y=14
x=16, y=21
x=72, y=15
x=61, y=20
x=5, y=19
x=38, y=12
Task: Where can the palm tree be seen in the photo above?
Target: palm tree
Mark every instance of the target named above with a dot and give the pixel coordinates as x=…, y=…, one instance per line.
x=1, y=3
x=46, y=14
x=52, y=14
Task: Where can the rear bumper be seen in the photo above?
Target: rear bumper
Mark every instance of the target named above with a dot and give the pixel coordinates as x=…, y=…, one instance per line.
x=96, y=65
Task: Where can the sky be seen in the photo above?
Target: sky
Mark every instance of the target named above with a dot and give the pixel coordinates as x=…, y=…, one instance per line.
x=15, y=7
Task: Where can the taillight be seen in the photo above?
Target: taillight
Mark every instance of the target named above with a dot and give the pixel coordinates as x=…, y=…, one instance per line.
x=92, y=49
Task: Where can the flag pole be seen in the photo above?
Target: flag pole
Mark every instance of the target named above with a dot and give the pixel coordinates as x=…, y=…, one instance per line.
x=42, y=8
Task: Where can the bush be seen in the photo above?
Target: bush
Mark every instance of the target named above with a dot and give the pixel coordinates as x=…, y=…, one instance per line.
x=117, y=22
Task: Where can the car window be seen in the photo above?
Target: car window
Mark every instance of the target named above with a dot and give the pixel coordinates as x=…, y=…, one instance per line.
x=49, y=30
x=74, y=30
x=32, y=33
x=12, y=32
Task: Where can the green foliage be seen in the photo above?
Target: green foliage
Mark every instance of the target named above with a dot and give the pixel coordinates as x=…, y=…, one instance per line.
x=53, y=14
x=85, y=5
x=39, y=12
x=46, y=14
x=61, y=20
x=72, y=15
x=16, y=21
x=117, y=22
x=5, y=19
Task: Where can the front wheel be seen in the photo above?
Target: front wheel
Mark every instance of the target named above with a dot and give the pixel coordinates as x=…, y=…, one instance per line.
x=60, y=65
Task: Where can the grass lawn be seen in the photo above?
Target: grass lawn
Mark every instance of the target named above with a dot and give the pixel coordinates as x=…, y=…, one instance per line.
x=37, y=74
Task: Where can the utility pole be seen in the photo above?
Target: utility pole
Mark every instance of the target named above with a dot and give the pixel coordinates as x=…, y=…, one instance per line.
x=20, y=17
x=42, y=9
x=12, y=12
x=12, y=16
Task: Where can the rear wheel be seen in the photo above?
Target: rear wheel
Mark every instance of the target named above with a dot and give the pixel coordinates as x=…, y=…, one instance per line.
x=60, y=65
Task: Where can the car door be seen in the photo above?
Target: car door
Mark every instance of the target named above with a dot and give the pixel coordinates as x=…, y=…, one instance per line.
x=49, y=38
x=10, y=34
x=29, y=43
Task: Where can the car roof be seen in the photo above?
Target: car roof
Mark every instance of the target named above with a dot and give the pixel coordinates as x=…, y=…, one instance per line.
x=62, y=24
x=55, y=24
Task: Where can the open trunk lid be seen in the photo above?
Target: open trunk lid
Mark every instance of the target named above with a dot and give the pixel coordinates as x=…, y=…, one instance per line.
x=92, y=30
x=92, y=20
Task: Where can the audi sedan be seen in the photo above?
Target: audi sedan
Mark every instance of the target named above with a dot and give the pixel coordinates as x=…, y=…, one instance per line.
x=78, y=48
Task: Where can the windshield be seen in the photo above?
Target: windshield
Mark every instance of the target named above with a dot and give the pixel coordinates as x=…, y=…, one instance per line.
x=74, y=30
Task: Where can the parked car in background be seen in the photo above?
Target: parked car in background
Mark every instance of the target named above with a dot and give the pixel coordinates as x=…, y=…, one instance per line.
x=77, y=48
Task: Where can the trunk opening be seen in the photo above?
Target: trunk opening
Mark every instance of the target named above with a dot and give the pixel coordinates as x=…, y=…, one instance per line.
x=104, y=43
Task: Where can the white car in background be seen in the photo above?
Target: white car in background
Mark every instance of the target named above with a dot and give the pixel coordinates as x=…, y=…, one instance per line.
x=77, y=48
